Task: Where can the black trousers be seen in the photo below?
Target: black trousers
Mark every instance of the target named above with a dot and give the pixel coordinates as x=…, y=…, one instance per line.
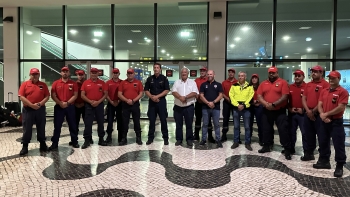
x=227, y=110
x=280, y=118
x=199, y=116
x=136, y=113
x=91, y=114
x=31, y=117
x=115, y=112
x=159, y=109
x=79, y=113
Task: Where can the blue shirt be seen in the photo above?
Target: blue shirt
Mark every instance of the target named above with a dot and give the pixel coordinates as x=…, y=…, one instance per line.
x=211, y=91
x=156, y=85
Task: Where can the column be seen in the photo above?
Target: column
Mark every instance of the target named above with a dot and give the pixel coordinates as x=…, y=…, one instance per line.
x=306, y=66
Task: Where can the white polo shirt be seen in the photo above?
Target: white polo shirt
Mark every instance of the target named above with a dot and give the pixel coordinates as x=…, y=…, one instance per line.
x=184, y=88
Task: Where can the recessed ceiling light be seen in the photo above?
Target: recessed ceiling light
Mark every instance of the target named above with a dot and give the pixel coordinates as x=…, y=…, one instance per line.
x=148, y=40
x=73, y=31
x=348, y=37
x=29, y=32
x=309, y=49
x=136, y=31
x=308, y=39
x=286, y=38
x=256, y=53
x=293, y=66
x=137, y=64
x=232, y=45
x=299, y=65
x=182, y=56
x=326, y=44
x=191, y=39
x=286, y=56
x=287, y=67
x=305, y=28
x=98, y=33
x=95, y=40
x=245, y=28
x=129, y=41
x=145, y=38
x=237, y=39
x=163, y=51
x=195, y=51
x=296, y=53
x=185, y=34
x=167, y=54
x=110, y=46
x=132, y=62
x=171, y=57
x=36, y=42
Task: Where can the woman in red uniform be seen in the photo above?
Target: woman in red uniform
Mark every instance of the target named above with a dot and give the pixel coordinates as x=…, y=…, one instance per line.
x=257, y=108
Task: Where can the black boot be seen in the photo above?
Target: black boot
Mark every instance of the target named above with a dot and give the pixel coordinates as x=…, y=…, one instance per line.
x=308, y=156
x=43, y=146
x=123, y=142
x=109, y=138
x=287, y=154
x=138, y=138
x=196, y=135
x=224, y=137
x=101, y=142
x=322, y=165
x=54, y=147
x=265, y=149
x=338, y=170
x=24, y=150
x=86, y=144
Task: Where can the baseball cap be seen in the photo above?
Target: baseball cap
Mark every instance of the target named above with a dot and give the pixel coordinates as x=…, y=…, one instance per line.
x=65, y=68
x=335, y=74
x=232, y=69
x=80, y=72
x=299, y=72
x=34, y=71
x=273, y=69
x=255, y=75
x=115, y=70
x=130, y=71
x=94, y=70
x=317, y=67
x=203, y=68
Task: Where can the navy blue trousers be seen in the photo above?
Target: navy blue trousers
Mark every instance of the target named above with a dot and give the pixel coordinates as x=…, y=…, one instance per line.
x=29, y=118
x=118, y=113
x=312, y=128
x=179, y=114
x=159, y=109
x=92, y=113
x=297, y=120
x=59, y=114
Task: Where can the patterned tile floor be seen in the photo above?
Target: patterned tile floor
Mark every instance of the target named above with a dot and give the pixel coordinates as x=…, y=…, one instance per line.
x=159, y=170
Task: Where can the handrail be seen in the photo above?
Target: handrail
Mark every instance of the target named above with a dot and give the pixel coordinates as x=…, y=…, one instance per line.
x=50, y=67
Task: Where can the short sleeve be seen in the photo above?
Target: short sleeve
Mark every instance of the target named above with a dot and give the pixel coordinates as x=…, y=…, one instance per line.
x=285, y=88
x=260, y=90
x=21, y=91
x=140, y=87
x=83, y=86
x=121, y=87
x=46, y=89
x=75, y=87
x=322, y=95
x=174, y=89
x=147, y=84
x=220, y=89
x=201, y=89
x=53, y=87
x=166, y=85
x=195, y=88
x=344, y=97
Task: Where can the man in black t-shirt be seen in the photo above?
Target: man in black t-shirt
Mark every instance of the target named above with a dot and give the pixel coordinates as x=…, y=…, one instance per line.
x=211, y=94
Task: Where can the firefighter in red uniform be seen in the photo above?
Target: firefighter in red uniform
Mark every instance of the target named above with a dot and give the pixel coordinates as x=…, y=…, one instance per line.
x=94, y=91
x=312, y=121
x=64, y=92
x=114, y=107
x=198, y=109
x=331, y=105
x=227, y=107
x=296, y=110
x=34, y=94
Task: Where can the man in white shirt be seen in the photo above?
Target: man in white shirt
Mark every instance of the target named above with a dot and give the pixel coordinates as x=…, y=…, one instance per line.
x=185, y=91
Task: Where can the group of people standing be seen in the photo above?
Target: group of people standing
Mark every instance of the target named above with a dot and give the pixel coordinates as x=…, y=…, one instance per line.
x=316, y=108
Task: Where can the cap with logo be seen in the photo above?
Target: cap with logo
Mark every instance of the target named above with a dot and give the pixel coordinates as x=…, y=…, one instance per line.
x=232, y=69
x=65, y=68
x=34, y=71
x=130, y=71
x=203, y=68
x=334, y=74
x=273, y=69
x=80, y=72
x=115, y=70
x=93, y=70
x=317, y=68
x=299, y=72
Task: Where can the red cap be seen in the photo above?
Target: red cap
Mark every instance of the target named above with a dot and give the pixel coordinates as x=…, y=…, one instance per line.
x=34, y=71
x=203, y=68
x=317, y=67
x=130, y=71
x=65, y=68
x=94, y=70
x=299, y=72
x=232, y=69
x=335, y=74
x=255, y=75
x=80, y=72
x=115, y=70
x=272, y=69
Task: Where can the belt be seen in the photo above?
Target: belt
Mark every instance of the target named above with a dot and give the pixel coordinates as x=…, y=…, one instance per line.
x=185, y=106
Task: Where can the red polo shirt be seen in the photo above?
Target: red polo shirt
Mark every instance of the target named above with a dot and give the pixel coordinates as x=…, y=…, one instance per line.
x=312, y=92
x=226, y=86
x=113, y=89
x=271, y=92
x=34, y=92
x=94, y=90
x=295, y=95
x=331, y=99
x=64, y=90
x=130, y=89
x=199, y=81
x=79, y=99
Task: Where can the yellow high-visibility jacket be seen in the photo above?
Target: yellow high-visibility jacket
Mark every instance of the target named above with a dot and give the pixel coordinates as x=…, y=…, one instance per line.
x=241, y=94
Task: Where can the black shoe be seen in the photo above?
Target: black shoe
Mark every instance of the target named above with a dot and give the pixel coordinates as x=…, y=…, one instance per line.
x=211, y=139
x=166, y=142
x=109, y=139
x=265, y=149
x=271, y=146
x=123, y=142
x=223, y=137
x=261, y=143
x=101, y=142
x=138, y=140
x=24, y=150
x=202, y=143
x=249, y=147
x=75, y=145
x=196, y=136
x=219, y=144
x=322, y=165
x=234, y=145
x=189, y=143
x=43, y=146
x=85, y=145
x=307, y=157
x=292, y=152
x=91, y=141
x=149, y=142
x=287, y=154
x=53, y=147
x=338, y=170
x=178, y=143
x=240, y=142
x=70, y=143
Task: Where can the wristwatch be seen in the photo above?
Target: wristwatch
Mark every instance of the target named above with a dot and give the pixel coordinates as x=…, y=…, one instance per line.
x=273, y=105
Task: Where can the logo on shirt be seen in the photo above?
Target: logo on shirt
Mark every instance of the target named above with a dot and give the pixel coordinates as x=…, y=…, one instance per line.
x=88, y=85
x=135, y=85
x=215, y=86
x=100, y=89
x=70, y=86
x=206, y=86
x=277, y=84
x=41, y=87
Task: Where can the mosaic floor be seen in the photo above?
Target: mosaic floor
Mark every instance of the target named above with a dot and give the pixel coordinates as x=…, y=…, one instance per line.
x=159, y=170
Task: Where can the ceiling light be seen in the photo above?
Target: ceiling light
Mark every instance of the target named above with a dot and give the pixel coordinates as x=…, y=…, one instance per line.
x=132, y=62
x=36, y=42
x=167, y=54
x=296, y=53
x=286, y=56
x=286, y=38
x=293, y=66
x=304, y=27
x=129, y=41
x=145, y=38
x=256, y=53
x=29, y=32
x=232, y=45
x=325, y=44
x=73, y=31
x=136, y=31
x=98, y=33
x=110, y=46
x=191, y=39
x=195, y=51
x=95, y=40
x=185, y=34
x=287, y=67
x=163, y=51
x=137, y=64
x=182, y=56
x=245, y=28
x=193, y=46
x=308, y=39
x=148, y=40
x=171, y=57
x=237, y=39
x=309, y=49
x=348, y=37
x=299, y=65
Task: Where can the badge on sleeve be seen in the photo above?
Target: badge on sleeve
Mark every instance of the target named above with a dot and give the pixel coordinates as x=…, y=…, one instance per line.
x=100, y=88
x=41, y=87
x=277, y=84
x=70, y=86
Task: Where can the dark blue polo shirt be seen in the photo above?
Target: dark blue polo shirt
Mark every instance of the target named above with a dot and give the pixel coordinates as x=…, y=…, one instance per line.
x=156, y=85
x=211, y=92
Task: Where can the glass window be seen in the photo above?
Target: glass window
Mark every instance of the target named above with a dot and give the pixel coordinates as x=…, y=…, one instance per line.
x=250, y=68
x=134, y=32
x=249, y=30
x=41, y=33
x=303, y=29
x=343, y=31
x=182, y=31
x=89, y=32
x=1, y=38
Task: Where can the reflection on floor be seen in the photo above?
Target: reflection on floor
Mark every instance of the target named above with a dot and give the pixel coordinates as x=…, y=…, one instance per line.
x=159, y=170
